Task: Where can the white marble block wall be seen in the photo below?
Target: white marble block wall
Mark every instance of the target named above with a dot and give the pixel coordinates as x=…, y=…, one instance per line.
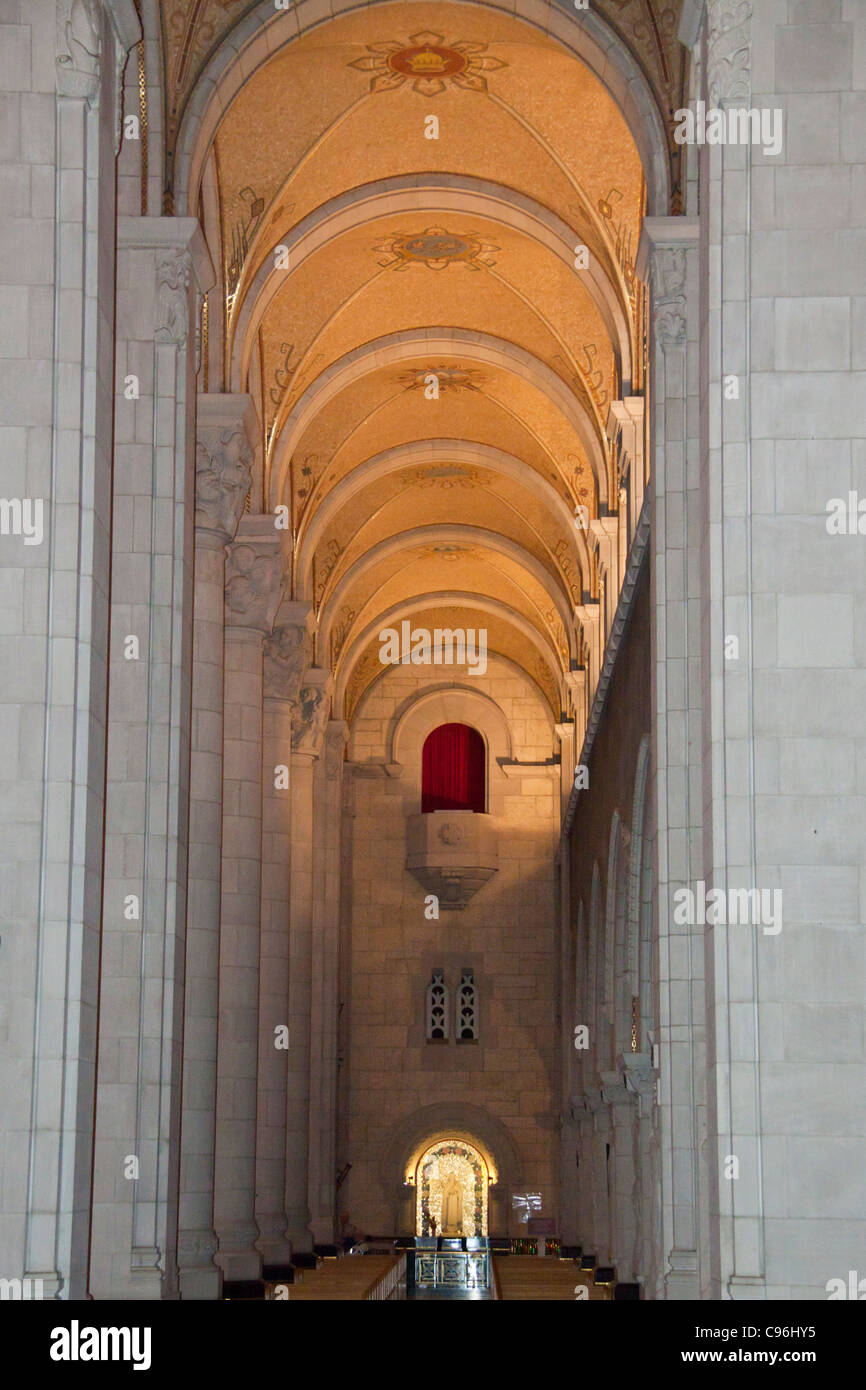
x=784, y=279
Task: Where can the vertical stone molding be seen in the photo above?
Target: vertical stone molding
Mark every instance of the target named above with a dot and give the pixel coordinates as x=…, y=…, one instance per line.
x=286, y=655
x=668, y=257
x=309, y=723
x=226, y=433
x=146, y=845
x=255, y=582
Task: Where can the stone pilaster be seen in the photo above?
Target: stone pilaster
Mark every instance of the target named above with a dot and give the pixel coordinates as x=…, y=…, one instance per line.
x=601, y=1143
x=623, y=1113
x=285, y=659
x=309, y=723
x=324, y=982
x=162, y=268
x=255, y=580
x=225, y=440
x=668, y=256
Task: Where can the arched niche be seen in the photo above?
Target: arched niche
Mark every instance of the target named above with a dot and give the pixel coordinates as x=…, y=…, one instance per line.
x=452, y=704
x=412, y=1135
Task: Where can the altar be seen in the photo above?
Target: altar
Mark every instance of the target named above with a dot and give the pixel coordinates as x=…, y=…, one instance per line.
x=449, y=1262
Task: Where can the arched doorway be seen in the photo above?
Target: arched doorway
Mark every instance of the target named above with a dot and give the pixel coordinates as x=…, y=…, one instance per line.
x=451, y=1181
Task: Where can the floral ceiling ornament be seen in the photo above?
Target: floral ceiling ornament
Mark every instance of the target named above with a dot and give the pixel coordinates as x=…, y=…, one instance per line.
x=447, y=378
x=445, y=476
x=436, y=248
x=429, y=63
x=448, y=551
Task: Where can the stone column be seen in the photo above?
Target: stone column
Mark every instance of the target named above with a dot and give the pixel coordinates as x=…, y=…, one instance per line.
x=308, y=733
x=254, y=588
x=668, y=254
x=163, y=265
x=286, y=656
x=224, y=443
x=324, y=983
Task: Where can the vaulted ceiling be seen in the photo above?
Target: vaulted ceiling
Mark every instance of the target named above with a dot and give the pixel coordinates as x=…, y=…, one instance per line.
x=432, y=362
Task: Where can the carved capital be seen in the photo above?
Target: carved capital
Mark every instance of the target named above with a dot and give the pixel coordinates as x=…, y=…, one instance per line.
x=222, y=478
x=668, y=278
x=172, y=295
x=255, y=576
x=79, y=48
x=312, y=708
x=614, y=1090
x=729, y=55
x=286, y=657
x=662, y=258
x=668, y=273
x=227, y=428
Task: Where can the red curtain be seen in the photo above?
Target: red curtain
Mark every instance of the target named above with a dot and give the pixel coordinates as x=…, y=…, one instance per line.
x=452, y=769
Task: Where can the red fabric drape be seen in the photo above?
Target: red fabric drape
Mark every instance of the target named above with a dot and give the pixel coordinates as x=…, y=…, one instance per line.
x=452, y=769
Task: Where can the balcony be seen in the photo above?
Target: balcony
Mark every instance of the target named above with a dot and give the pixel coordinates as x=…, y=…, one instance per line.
x=452, y=854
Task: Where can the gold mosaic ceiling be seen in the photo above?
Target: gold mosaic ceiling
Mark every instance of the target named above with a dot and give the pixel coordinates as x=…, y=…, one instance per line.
x=193, y=29
x=432, y=373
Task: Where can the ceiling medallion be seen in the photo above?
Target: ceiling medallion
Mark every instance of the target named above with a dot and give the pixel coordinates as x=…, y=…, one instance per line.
x=447, y=378
x=428, y=63
x=436, y=248
x=447, y=551
x=445, y=476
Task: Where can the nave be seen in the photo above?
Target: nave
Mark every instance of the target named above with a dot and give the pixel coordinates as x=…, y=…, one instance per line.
x=436, y=655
